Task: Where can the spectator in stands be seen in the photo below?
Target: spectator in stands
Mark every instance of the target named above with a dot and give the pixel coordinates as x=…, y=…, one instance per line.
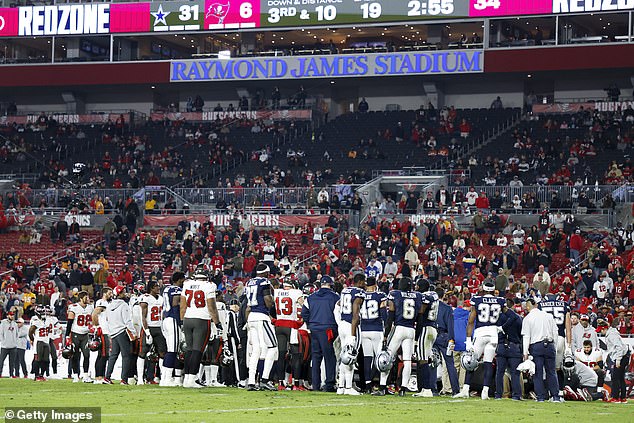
x=363, y=106
x=497, y=103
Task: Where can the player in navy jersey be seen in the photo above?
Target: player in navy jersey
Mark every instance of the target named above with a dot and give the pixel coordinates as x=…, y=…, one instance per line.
x=404, y=305
x=350, y=302
x=560, y=310
x=483, y=327
x=261, y=332
x=171, y=329
x=426, y=333
x=373, y=315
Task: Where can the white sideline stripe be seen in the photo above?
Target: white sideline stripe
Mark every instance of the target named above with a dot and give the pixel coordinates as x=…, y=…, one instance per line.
x=286, y=407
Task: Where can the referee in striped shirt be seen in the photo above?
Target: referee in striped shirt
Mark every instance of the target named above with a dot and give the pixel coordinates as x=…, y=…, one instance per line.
x=539, y=332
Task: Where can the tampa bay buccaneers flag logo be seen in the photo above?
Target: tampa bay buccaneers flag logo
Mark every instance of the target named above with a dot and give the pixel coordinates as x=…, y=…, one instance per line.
x=218, y=10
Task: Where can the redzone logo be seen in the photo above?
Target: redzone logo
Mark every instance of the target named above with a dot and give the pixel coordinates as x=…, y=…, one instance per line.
x=64, y=20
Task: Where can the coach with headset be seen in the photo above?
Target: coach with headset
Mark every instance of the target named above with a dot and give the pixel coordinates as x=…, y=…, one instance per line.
x=318, y=312
x=539, y=332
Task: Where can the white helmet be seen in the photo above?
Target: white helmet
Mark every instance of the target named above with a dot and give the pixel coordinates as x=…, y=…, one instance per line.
x=348, y=355
x=469, y=361
x=384, y=361
x=435, y=359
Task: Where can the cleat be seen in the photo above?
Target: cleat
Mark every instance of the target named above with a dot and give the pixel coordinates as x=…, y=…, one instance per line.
x=268, y=386
x=107, y=381
x=340, y=391
x=424, y=393
x=351, y=391
x=379, y=393
x=87, y=379
x=75, y=378
x=253, y=388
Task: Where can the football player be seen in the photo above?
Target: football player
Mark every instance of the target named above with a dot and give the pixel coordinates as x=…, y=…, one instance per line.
x=171, y=328
x=151, y=319
x=197, y=311
x=373, y=315
x=42, y=327
x=212, y=354
x=261, y=333
x=350, y=302
x=483, y=327
x=403, y=309
x=426, y=332
x=137, y=368
x=286, y=306
x=560, y=310
x=77, y=328
x=100, y=323
x=300, y=345
x=592, y=358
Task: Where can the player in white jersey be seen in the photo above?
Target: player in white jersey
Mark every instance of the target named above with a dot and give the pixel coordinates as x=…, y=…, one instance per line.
x=77, y=329
x=100, y=323
x=137, y=366
x=592, y=359
x=40, y=333
x=286, y=306
x=197, y=310
x=152, y=335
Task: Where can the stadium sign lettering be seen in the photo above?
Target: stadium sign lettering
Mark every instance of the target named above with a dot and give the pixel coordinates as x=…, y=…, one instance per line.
x=73, y=19
x=255, y=219
x=82, y=219
x=361, y=65
x=613, y=106
x=574, y=6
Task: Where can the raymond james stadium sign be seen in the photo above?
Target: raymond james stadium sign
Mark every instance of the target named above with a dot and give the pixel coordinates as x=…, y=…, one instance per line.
x=332, y=66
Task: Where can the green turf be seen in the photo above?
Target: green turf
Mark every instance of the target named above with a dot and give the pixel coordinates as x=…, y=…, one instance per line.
x=153, y=404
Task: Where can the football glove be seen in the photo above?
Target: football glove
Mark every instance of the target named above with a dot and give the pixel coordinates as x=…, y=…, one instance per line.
x=469, y=343
x=148, y=338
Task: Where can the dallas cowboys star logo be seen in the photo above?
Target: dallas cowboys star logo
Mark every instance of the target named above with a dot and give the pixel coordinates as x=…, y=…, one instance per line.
x=160, y=16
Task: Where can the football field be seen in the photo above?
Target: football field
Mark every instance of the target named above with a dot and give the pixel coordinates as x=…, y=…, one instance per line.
x=151, y=403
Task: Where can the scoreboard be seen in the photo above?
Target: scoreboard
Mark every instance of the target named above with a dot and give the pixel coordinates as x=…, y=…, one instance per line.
x=206, y=15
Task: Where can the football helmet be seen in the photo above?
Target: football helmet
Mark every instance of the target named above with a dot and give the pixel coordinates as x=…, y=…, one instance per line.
x=68, y=351
x=309, y=289
x=94, y=344
x=469, y=361
x=227, y=355
x=488, y=285
x=139, y=288
x=152, y=355
x=569, y=362
x=182, y=347
x=348, y=355
x=436, y=359
x=384, y=361
x=40, y=311
x=201, y=273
